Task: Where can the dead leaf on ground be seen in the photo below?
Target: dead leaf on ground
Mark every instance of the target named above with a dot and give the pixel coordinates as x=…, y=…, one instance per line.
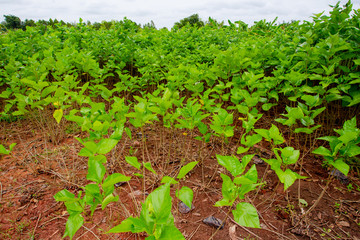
x=232, y=232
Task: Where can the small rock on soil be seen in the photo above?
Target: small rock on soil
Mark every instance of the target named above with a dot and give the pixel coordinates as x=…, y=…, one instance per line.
x=184, y=209
x=214, y=222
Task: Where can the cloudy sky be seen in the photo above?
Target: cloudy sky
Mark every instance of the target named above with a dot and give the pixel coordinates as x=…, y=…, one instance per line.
x=165, y=13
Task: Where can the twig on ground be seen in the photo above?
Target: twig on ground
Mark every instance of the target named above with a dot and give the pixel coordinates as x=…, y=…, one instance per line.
x=53, y=234
x=193, y=233
x=0, y=191
x=37, y=223
x=62, y=178
x=88, y=230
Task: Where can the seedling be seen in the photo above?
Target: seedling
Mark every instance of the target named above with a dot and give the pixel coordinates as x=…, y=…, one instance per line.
x=245, y=214
x=4, y=151
x=156, y=218
x=342, y=148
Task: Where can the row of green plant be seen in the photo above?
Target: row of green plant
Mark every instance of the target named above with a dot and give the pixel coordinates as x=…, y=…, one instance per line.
x=156, y=218
x=324, y=51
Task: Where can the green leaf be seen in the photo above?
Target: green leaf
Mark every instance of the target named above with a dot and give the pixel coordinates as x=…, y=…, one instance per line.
x=3, y=150
x=289, y=155
x=353, y=151
x=159, y=202
x=348, y=136
x=64, y=196
x=85, y=152
x=97, y=126
x=350, y=124
x=316, y=112
x=275, y=135
x=322, y=151
x=124, y=226
x=268, y=106
x=252, y=174
x=58, y=114
x=242, y=180
x=106, y=145
x=167, y=179
x=170, y=232
x=231, y=163
x=147, y=165
x=118, y=132
x=355, y=99
x=274, y=163
x=341, y=166
x=96, y=170
x=92, y=197
x=229, y=192
x=306, y=130
x=246, y=215
x=12, y=146
x=250, y=178
x=114, y=178
x=288, y=177
x=328, y=138
x=202, y=128
x=128, y=132
x=185, y=194
x=251, y=140
x=185, y=169
x=245, y=161
x=73, y=224
x=242, y=150
x=272, y=134
x=311, y=101
x=110, y=198
x=138, y=175
x=75, y=207
x=133, y=161
x=357, y=61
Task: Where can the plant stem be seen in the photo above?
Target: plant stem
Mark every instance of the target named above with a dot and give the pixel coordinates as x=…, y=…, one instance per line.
x=143, y=160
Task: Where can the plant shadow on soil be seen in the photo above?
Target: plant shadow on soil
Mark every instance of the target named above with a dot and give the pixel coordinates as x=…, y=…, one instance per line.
x=37, y=169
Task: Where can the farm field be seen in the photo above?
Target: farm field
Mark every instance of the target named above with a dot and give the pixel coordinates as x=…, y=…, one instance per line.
x=127, y=132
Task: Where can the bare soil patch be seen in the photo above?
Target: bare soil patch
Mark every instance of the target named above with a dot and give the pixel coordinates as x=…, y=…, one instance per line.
x=37, y=169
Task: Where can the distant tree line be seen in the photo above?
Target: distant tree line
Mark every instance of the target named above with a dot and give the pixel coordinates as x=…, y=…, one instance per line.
x=14, y=22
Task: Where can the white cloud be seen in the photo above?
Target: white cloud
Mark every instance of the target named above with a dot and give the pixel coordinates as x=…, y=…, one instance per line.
x=165, y=13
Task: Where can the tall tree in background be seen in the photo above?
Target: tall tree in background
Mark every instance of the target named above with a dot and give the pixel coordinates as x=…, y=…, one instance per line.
x=193, y=20
x=12, y=22
x=150, y=25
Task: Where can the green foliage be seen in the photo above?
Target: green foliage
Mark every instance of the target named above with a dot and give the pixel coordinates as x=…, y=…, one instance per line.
x=245, y=214
x=190, y=115
x=342, y=148
x=272, y=135
x=193, y=21
x=186, y=169
x=155, y=218
x=221, y=124
x=142, y=114
x=4, y=151
x=133, y=161
x=185, y=194
x=12, y=22
x=287, y=157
